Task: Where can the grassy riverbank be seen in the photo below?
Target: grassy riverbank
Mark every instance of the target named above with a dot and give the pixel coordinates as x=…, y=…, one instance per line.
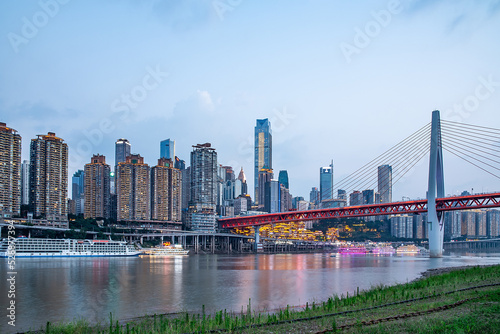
x=463, y=300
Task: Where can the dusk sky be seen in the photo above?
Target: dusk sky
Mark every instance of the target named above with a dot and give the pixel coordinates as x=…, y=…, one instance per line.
x=339, y=80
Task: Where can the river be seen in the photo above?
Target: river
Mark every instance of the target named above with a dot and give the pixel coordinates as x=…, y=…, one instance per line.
x=64, y=289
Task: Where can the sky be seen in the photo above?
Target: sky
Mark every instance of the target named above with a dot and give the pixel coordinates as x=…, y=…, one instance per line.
x=339, y=80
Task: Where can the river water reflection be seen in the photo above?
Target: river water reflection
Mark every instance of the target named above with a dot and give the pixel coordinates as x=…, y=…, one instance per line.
x=64, y=289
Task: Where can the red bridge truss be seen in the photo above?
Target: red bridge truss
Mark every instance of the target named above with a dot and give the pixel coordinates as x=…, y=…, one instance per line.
x=396, y=208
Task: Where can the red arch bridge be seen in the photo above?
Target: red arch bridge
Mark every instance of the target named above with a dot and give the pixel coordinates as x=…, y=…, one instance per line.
x=469, y=202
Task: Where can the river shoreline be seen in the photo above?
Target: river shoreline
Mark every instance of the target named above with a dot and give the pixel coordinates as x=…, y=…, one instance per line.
x=466, y=292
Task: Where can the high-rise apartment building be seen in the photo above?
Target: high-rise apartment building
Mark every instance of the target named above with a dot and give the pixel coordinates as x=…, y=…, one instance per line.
x=204, y=174
x=402, y=226
x=203, y=185
x=385, y=183
x=481, y=223
x=274, y=203
x=10, y=171
x=493, y=223
x=452, y=221
x=179, y=164
x=420, y=226
x=133, y=189
x=240, y=205
x=342, y=194
x=368, y=196
x=167, y=149
x=25, y=182
x=97, y=192
x=356, y=198
x=468, y=224
x=264, y=183
x=326, y=182
x=263, y=152
x=166, y=191
x=186, y=187
x=122, y=150
x=49, y=177
x=314, y=196
x=78, y=191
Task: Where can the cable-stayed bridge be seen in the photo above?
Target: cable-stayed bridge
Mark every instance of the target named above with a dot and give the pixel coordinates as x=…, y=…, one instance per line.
x=477, y=145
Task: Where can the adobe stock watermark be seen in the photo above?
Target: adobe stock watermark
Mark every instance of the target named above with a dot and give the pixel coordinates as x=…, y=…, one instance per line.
x=372, y=29
x=11, y=273
x=121, y=109
x=223, y=6
x=482, y=92
x=32, y=25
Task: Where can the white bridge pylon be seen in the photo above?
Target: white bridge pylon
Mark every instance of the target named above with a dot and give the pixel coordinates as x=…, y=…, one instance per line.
x=436, y=189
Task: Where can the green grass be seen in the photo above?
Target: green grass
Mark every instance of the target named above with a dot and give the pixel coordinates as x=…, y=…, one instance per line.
x=479, y=315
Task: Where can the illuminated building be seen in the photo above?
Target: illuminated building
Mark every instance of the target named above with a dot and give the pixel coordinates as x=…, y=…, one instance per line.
x=133, y=189
x=10, y=171
x=166, y=191
x=326, y=182
x=49, y=177
x=97, y=202
x=263, y=153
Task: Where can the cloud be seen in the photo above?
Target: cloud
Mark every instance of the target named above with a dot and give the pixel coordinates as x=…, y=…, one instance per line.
x=205, y=100
x=183, y=15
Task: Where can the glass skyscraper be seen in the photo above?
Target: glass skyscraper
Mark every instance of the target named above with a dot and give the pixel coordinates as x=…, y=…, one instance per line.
x=122, y=150
x=263, y=151
x=326, y=182
x=78, y=191
x=385, y=183
x=283, y=178
x=167, y=149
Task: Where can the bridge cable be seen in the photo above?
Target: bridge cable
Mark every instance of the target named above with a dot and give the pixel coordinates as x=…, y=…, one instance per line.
x=444, y=148
x=394, y=151
x=403, y=158
x=352, y=181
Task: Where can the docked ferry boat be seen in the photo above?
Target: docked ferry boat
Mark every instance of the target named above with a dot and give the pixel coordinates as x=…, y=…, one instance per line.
x=167, y=251
x=408, y=249
x=38, y=247
x=353, y=250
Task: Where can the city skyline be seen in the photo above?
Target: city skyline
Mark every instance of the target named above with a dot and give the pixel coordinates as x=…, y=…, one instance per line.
x=419, y=56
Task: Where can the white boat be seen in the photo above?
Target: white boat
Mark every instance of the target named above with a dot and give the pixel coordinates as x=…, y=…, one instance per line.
x=38, y=247
x=167, y=251
x=408, y=249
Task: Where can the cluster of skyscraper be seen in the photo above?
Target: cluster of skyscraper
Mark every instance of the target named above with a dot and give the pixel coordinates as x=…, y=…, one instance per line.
x=324, y=197
x=41, y=183
x=134, y=191
x=469, y=224
x=196, y=195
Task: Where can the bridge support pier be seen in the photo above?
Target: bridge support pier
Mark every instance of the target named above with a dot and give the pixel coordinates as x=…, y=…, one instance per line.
x=436, y=189
x=258, y=246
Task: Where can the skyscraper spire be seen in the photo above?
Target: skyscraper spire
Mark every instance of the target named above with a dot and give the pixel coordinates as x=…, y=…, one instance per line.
x=242, y=176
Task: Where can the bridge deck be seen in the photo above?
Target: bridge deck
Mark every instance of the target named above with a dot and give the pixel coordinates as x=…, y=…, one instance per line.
x=480, y=201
